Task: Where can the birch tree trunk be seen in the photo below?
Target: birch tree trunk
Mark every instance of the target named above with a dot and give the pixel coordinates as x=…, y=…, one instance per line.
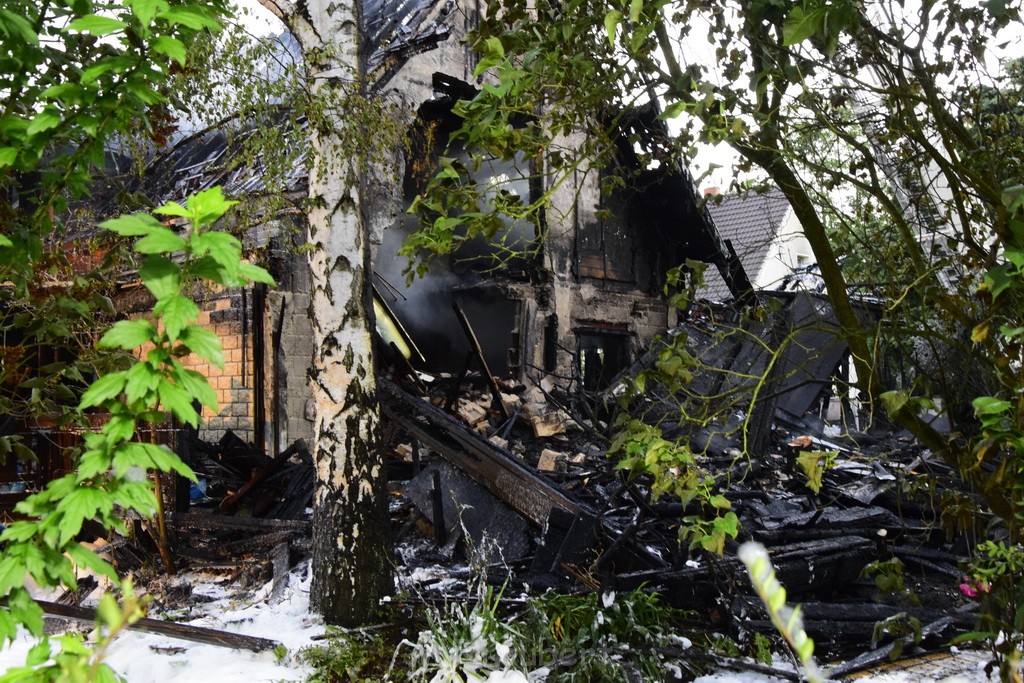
x=351, y=545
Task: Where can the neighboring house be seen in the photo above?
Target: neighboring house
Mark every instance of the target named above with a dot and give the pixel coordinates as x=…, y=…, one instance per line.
x=766, y=235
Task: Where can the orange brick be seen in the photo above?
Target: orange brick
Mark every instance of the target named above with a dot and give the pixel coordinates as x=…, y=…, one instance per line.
x=230, y=341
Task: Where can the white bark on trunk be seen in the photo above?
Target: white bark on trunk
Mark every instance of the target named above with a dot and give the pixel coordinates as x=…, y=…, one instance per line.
x=351, y=544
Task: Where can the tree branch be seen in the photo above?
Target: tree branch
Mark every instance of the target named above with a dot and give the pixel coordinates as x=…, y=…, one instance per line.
x=282, y=9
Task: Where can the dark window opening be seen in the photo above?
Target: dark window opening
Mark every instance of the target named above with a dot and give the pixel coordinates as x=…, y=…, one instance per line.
x=601, y=356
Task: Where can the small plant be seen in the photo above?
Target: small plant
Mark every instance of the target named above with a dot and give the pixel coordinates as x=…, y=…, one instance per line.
x=607, y=637
x=75, y=660
x=465, y=642
x=889, y=577
x=814, y=464
x=642, y=449
x=570, y=638
x=997, y=582
x=898, y=627
x=762, y=648
x=355, y=657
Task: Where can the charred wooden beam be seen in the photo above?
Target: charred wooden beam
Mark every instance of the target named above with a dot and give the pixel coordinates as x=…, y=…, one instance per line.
x=494, y=468
x=196, y=634
x=197, y=520
x=874, y=657
x=248, y=545
x=232, y=501
x=799, y=566
x=281, y=559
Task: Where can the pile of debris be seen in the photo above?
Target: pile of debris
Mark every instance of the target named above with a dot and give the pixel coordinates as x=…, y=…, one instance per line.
x=527, y=468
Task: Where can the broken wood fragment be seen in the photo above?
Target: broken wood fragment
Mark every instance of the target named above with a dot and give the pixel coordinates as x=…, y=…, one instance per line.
x=437, y=501
x=231, y=502
x=493, y=468
x=248, y=545
x=196, y=634
x=198, y=520
x=281, y=560
x=474, y=344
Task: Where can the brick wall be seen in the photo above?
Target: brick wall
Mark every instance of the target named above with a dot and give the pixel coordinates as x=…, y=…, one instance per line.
x=230, y=315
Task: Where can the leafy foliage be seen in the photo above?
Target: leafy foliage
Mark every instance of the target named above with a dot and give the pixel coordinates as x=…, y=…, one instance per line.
x=112, y=471
x=573, y=637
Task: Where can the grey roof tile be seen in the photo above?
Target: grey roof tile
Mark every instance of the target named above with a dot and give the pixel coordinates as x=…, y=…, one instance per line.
x=751, y=221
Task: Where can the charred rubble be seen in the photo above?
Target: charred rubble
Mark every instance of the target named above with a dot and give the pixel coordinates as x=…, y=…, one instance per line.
x=517, y=476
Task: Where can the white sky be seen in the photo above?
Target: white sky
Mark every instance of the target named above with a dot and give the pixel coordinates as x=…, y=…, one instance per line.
x=697, y=49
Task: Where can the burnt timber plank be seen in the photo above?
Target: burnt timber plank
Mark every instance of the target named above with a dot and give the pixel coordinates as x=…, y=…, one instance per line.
x=492, y=467
x=199, y=520
x=799, y=566
x=196, y=634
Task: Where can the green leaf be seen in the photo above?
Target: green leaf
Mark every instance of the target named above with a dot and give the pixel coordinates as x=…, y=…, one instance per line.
x=208, y=269
x=987, y=405
x=107, y=611
x=38, y=655
x=178, y=401
x=172, y=47
x=166, y=460
x=894, y=401
x=8, y=155
x=15, y=25
x=720, y=502
x=635, y=8
x=492, y=54
x=729, y=524
x=120, y=428
x=161, y=276
x=145, y=10
x=197, y=385
x=128, y=334
x=611, y=23
x=800, y=25
x=84, y=557
x=255, y=273
x=188, y=17
x=102, y=66
x=813, y=466
x=209, y=205
x=160, y=241
x=80, y=505
x=223, y=248
x=204, y=344
x=103, y=389
x=96, y=25
x=44, y=121
x=12, y=572
x=173, y=209
x=998, y=280
x=142, y=379
x=132, y=226
x=176, y=312
x=1013, y=198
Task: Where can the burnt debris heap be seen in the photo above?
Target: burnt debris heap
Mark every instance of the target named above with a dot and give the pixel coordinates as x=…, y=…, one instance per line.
x=528, y=488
